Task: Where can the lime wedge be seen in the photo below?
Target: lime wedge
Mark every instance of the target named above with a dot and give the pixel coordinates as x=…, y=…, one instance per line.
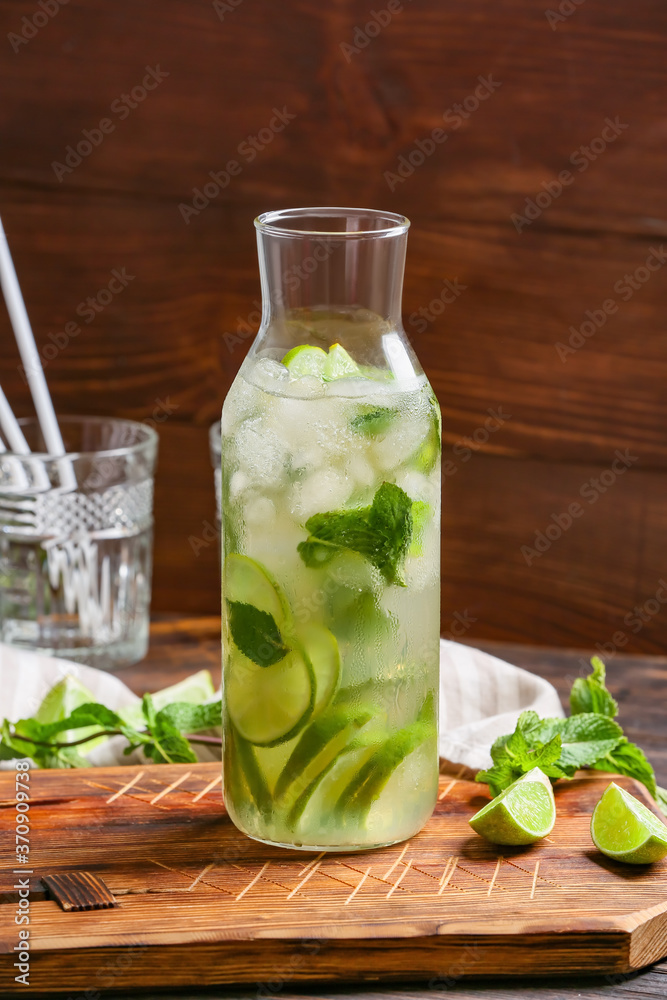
x=521, y=814
x=61, y=700
x=246, y=581
x=305, y=360
x=195, y=690
x=623, y=828
x=269, y=705
x=339, y=364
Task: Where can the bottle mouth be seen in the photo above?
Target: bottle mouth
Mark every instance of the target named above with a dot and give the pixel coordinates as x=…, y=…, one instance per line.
x=348, y=223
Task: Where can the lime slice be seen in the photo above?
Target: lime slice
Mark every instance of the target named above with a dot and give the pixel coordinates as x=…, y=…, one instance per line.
x=269, y=705
x=305, y=360
x=367, y=784
x=246, y=581
x=320, y=744
x=244, y=773
x=521, y=814
x=623, y=828
x=339, y=364
x=321, y=650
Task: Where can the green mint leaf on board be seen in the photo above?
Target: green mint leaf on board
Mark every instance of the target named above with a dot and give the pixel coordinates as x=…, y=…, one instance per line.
x=256, y=634
x=627, y=758
x=191, y=718
x=590, y=694
x=585, y=738
x=168, y=746
x=374, y=421
x=381, y=533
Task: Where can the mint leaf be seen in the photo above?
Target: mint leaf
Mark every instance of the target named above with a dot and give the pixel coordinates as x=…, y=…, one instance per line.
x=374, y=421
x=627, y=758
x=585, y=738
x=381, y=533
x=590, y=694
x=168, y=745
x=256, y=634
x=191, y=718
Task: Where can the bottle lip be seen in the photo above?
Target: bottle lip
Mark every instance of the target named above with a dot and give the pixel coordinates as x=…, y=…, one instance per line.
x=284, y=222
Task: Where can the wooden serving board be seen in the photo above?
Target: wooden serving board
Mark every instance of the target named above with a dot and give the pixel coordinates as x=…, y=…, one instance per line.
x=200, y=904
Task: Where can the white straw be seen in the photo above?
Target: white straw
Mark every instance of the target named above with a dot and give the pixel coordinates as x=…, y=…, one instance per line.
x=31, y=363
x=11, y=429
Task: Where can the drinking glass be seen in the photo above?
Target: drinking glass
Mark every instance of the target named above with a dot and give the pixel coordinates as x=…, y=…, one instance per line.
x=75, y=564
x=330, y=489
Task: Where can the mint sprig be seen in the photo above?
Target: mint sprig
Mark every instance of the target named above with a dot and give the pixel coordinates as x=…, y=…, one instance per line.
x=381, y=533
x=166, y=737
x=588, y=738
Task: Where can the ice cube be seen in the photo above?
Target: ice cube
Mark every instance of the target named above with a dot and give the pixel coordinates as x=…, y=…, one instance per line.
x=262, y=453
x=260, y=511
x=323, y=491
x=360, y=471
x=269, y=374
x=237, y=484
x=305, y=387
x=401, y=441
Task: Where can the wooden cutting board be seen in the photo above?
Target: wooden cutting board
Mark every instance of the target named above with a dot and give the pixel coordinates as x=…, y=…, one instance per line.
x=201, y=904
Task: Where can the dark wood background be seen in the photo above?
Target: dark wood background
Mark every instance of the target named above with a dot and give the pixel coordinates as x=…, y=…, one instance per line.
x=157, y=350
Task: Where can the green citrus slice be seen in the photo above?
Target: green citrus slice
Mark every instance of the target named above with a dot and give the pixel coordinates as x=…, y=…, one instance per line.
x=320, y=744
x=368, y=783
x=305, y=360
x=322, y=652
x=246, y=581
x=623, y=828
x=339, y=364
x=521, y=814
x=269, y=705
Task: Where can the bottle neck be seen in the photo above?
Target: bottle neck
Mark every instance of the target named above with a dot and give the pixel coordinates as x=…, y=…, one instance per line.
x=340, y=273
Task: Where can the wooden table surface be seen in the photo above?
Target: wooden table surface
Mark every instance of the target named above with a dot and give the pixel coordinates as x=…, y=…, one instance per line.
x=179, y=646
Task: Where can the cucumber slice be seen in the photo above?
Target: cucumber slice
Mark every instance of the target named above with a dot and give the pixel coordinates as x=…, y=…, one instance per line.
x=245, y=772
x=246, y=581
x=269, y=705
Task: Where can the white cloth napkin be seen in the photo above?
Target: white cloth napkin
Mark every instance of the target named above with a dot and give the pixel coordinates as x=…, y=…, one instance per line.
x=481, y=697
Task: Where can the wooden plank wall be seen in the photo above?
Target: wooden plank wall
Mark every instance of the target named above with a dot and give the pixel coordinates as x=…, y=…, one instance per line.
x=574, y=91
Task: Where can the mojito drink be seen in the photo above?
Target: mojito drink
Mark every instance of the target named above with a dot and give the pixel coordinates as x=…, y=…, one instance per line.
x=331, y=558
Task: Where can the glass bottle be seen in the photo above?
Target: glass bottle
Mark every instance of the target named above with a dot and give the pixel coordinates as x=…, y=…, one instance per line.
x=331, y=553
